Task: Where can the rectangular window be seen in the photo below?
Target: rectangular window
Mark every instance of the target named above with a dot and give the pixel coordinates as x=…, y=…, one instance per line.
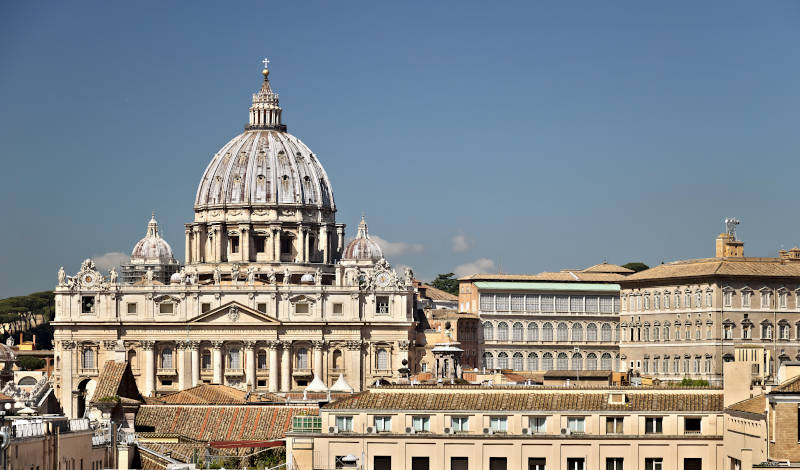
x=783, y=299
x=746, y=295
x=261, y=307
x=548, y=304
x=302, y=308
x=614, y=425
x=727, y=298
x=592, y=304
x=421, y=423
x=691, y=425
x=532, y=303
x=487, y=302
x=166, y=308
x=654, y=463
x=537, y=463
x=576, y=463
x=766, y=299
x=498, y=463
x=382, y=305
x=87, y=304
x=234, y=244
x=131, y=308
x=576, y=303
x=420, y=463
x=459, y=423
x=518, y=303
x=693, y=464
x=666, y=301
x=653, y=425
x=338, y=309
x=606, y=304
x=498, y=423
x=205, y=307
x=344, y=423
x=562, y=304
x=537, y=424
x=259, y=242
x=459, y=463
x=613, y=463
x=501, y=302
x=576, y=424
x=383, y=462
x=383, y=423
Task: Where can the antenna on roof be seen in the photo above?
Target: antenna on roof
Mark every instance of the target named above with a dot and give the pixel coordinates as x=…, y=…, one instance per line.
x=730, y=226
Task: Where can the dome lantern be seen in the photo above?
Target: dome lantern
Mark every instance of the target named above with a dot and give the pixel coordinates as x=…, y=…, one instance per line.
x=265, y=112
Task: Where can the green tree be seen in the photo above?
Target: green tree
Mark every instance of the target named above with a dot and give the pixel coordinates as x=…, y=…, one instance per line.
x=30, y=363
x=446, y=282
x=636, y=266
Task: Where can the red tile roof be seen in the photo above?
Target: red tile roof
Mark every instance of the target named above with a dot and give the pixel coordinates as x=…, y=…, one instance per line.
x=215, y=394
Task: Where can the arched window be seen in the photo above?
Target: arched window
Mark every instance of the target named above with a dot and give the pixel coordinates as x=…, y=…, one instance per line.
x=382, y=359
x=577, y=332
x=132, y=359
x=88, y=358
x=488, y=360
x=518, y=332
x=533, y=361
x=616, y=333
x=302, y=358
x=591, y=361
x=235, y=358
x=547, y=332
x=338, y=363
x=656, y=332
x=577, y=361
x=666, y=333
x=502, y=361
x=261, y=360
x=547, y=361
x=502, y=331
x=166, y=358
x=562, y=332
x=605, y=361
x=488, y=331
x=591, y=332
x=516, y=363
x=605, y=332
x=562, y=361
x=533, y=331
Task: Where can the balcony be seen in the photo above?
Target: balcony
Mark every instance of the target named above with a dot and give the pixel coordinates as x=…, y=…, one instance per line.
x=304, y=372
x=234, y=372
x=166, y=371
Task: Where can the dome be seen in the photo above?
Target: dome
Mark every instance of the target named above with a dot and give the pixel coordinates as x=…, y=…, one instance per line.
x=362, y=247
x=265, y=165
x=152, y=249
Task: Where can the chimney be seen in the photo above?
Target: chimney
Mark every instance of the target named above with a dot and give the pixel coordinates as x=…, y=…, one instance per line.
x=34, y=341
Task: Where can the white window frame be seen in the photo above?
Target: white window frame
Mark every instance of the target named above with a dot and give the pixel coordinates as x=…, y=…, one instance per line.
x=421, y=423
x=576, y=424
x=498, y=423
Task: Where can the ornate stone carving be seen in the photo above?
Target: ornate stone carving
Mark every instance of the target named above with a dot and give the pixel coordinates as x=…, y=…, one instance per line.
x=68, y=344
x=272, y=344
x=319, y=344
x=192, y=345
x=287, y=345
x=111, y=344
x=354, y=345
x=62, y=277
x=148, y=345
x=404, y=345
x=233, y=313
x=248, y=344
x=235, y=273
x=216, y=344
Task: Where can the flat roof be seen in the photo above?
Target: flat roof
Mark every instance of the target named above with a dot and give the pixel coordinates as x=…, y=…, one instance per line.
x=548, y=286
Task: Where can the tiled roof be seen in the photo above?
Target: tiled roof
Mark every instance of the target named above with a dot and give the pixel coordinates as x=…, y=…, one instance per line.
x=489, y=400
x=765, y=267
x=215, y=394
x=116, y=380
x=221, y=423
x=4, y=397
x=755, y=405
x=437, y=294
x=561, y=276
x=790, y=386
x=607, y=268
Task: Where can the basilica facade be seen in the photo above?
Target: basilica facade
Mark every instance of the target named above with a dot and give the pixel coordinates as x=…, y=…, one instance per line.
x=270, y=295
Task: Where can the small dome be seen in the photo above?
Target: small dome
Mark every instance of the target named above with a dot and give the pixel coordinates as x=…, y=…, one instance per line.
x=362, y=247
x=152, y=249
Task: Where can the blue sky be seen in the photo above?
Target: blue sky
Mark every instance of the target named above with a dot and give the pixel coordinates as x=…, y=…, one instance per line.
x=523, y=136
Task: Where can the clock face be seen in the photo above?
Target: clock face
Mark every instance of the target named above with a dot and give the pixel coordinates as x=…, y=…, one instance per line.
x=382, y=279
x=87, y=279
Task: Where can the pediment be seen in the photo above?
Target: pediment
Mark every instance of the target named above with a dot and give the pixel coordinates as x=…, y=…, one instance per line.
x=235, y=313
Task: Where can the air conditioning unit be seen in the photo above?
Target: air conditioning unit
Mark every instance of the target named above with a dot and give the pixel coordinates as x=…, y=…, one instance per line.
x=409, y=430
x=370, y=429
x=526, y=431
x=333, y=430
x=565, y=432
x=448, y=430
x=488, y=431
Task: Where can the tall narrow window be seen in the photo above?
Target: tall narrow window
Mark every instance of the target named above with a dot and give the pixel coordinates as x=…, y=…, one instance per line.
x=518, y=332
x=234, y=358
x=302, y=358
x=562, y=332
x=488, y=331
x=517, y=361
x=533, y=331
x=382, y=359
x=488, y=360
x=502, y=361
x=166, y=358
x=502, y=331
x=533, y=361
x=547, y=332
x=88, y=358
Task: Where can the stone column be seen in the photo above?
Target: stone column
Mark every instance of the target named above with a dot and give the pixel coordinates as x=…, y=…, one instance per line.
x=67, y=358
x=245, y=242
x=216, y=360
x=149, y=368
x=286, y=382
x=196, y=245
x=276, y=245
x=250, y=364
x=181, y=365
x=194, y=346
x=306, y=243
x=318, y=370
x=353, y=374
x=188, y=246
x=339, y=240
x=323, y=241
x=273, y=366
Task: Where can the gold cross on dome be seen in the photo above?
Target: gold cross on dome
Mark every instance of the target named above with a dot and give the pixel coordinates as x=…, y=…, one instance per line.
x=266, y=62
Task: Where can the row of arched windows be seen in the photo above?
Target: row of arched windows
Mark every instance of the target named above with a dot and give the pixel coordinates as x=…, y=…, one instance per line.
x=550, y=361
x=562, y=332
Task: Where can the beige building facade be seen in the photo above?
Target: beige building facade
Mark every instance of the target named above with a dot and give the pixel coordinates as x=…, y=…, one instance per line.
x=565, y=320
x=473, y=427
x=270, y=294
x=684, y=319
